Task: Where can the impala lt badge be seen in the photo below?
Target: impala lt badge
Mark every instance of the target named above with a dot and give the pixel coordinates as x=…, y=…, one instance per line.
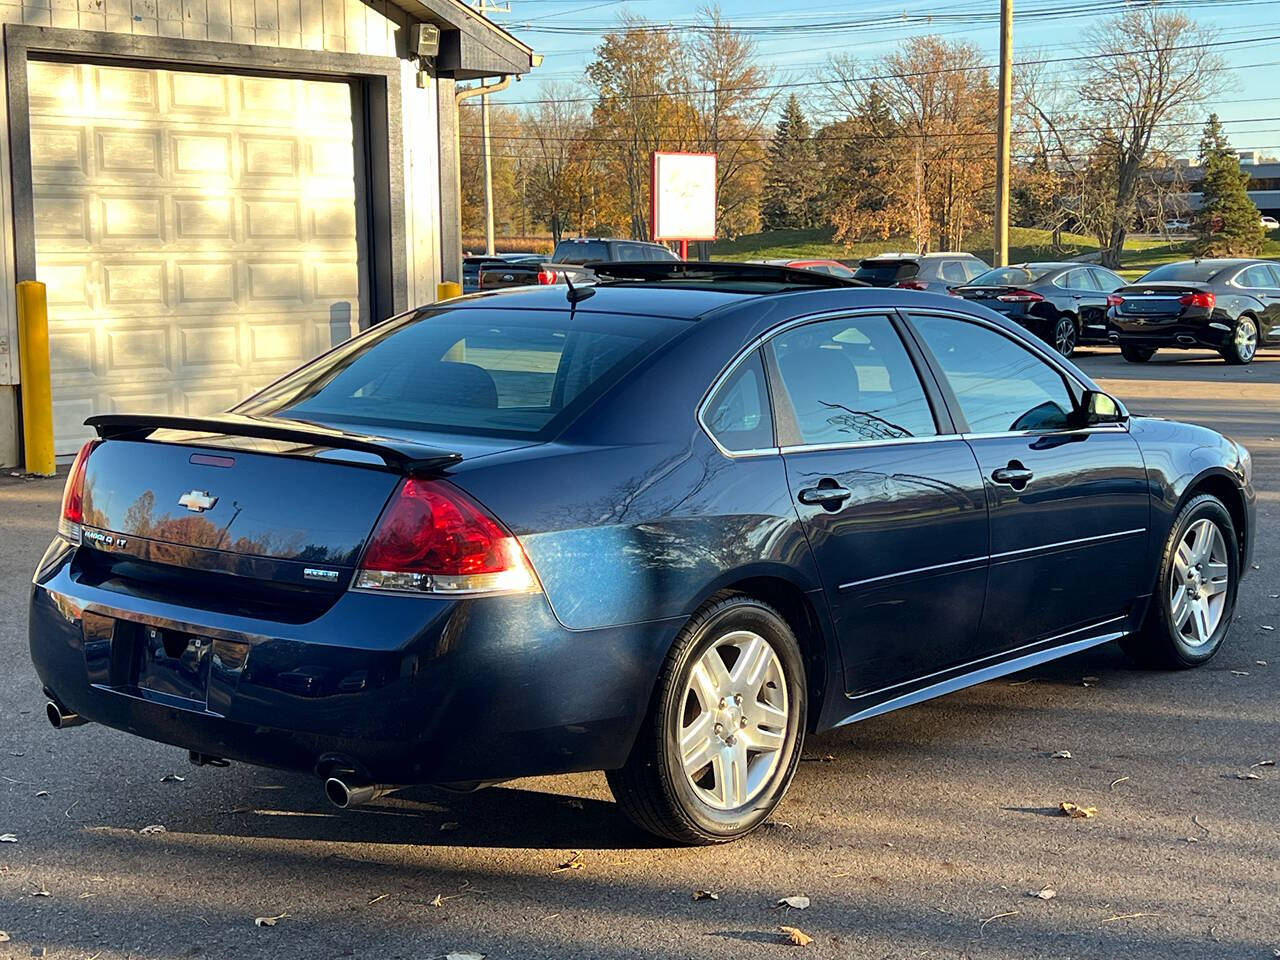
x=197, y=501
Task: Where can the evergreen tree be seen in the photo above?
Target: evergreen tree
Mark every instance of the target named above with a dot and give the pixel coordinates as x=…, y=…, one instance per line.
x=1227, y=223
x=790, y=188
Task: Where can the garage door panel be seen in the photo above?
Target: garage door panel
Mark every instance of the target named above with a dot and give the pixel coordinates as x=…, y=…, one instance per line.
x=197, y=232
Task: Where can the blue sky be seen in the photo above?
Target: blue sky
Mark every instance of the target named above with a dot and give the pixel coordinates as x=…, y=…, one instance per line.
x=1251, y=107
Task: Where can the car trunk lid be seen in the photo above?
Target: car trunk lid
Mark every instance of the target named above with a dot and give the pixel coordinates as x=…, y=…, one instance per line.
x=1157, y=299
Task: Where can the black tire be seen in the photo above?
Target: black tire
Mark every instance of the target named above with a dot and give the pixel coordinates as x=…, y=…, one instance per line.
x=1160, y=642
x=1137, y=354
x=1066, y=334
x=1243, y=345
x=652, y=788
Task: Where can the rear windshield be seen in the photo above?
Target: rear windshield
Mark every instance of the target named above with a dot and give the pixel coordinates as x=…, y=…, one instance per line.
x=882, y=273
x=487, y=372
x=1007, y=276
x=580, y=251
x=1189, y=270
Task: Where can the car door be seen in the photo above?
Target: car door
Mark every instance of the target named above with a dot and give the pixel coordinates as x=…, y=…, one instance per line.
x=1069, y=507
x=1269, y=328
x=890, y=497
x=1091, y=302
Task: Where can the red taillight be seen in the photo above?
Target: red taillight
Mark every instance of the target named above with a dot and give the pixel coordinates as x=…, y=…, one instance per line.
x=73, y=495
x=546, y=276
x=1114, y=299
x=911, y=285
x=1205, y=300
x=433, y=538
x=1020, y=296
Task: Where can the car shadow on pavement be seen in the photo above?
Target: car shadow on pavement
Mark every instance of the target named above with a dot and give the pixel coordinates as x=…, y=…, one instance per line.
x=496, y=817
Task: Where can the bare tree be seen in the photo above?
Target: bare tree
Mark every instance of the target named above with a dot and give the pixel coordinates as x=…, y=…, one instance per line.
x=1152, y=71
x=555, y=134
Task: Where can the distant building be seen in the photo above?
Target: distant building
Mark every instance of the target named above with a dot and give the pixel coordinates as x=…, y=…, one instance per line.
x=1264, y=183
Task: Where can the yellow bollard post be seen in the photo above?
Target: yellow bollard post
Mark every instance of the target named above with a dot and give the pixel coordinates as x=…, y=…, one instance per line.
x=448, y=290
x=33, y=368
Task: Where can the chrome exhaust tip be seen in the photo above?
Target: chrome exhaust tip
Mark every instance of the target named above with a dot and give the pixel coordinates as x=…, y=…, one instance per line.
x=60, y=719
x=345, y=795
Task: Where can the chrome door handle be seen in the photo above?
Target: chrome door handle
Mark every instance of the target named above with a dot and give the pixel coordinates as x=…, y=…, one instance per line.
x=1014, y=475
x=828, y=496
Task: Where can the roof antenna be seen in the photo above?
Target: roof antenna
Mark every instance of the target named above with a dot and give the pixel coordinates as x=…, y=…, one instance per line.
x=577, y=294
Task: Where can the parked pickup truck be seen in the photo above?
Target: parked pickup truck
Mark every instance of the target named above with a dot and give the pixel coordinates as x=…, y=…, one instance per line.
x=579, y=251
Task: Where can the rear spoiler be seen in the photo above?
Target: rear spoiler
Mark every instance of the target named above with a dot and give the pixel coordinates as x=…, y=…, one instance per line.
x=401, y=456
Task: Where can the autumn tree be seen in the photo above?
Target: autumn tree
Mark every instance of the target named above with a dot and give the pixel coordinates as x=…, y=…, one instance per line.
x=933, y=148
x=790, y=187
x=504, y=139
x=1228, y=223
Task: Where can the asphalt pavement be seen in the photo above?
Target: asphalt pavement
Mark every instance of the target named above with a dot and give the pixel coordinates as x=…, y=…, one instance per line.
x=922, y=833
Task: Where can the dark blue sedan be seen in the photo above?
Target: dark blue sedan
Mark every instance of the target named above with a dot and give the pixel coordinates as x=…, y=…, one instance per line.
x=662, y=526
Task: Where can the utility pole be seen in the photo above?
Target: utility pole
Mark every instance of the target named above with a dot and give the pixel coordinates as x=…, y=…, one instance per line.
x=485, y=8
x=1000, y=253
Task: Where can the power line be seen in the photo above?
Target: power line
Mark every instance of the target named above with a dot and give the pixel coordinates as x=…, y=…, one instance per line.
x=1079, y=58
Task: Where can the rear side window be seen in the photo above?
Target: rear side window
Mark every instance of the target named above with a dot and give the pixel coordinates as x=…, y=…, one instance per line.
x=488, y=372
x=845, y=381
x=1256, y=276
x=953, y=271
x=1010, y=276
x=1000, y=385
x=738, y=414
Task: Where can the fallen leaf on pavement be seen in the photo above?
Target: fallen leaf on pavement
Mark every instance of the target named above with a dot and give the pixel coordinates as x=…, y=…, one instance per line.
x=705, y=895
x=464, y=956
x=1129, y=916
x=154, y=828
x=998, y=916
x=43, y=891
x=1239, y=673
x=1118, y=780
x=1044, y=893
x=1077, y=812
x=172, y=778
x=8, y=838
x=796, y=936
x=1267, y=626
x=796, y=903
x=1261, y=663
x=1263, y=763
x=4, y=938
x=1248, y=776
x=1060, y=755
x=381, y=896
x=573, y=863
x=448, y=825
x=42, y=793
x=268, y=921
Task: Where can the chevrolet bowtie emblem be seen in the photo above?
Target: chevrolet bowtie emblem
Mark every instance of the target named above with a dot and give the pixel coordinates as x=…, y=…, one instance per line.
x=197, y=501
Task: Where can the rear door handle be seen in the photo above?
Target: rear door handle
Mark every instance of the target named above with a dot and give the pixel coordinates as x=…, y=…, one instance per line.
x=1014, y=475
x=831, y=495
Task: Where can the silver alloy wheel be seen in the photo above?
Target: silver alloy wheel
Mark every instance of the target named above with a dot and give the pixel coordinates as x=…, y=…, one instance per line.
x=1246, y=338
x=1198, y=583
x=734, y=720
x=1064, y=336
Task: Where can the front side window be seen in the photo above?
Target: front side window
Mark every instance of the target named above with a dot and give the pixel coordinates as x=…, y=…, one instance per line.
x=1106, y=280
x=999, y=384
x=848, y=380
x=738, y=414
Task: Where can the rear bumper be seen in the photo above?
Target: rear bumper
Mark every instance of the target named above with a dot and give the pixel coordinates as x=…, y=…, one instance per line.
x=1211, y=334
x=395, y=689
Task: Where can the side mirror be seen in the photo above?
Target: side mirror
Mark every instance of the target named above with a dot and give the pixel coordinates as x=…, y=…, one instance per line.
x=1097, y=407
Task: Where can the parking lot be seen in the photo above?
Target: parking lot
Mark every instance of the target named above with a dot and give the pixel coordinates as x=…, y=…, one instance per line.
x=922, y=833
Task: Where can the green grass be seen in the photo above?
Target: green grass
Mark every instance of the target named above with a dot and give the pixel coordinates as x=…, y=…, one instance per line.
x=1025, y=244
x=1140, y=253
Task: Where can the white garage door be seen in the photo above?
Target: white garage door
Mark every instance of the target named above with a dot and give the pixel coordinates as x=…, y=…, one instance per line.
x=197, y=233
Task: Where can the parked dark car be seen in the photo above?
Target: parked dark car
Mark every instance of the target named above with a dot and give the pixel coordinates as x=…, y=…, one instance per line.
x=833, y=267
x=582, y=250
x=937, y=272
x=472, y=265
x=1232, y=306
x=1064, y=304
x=515, y=535
x=524, y=272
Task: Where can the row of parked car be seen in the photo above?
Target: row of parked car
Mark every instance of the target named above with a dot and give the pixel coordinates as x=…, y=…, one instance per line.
x=1228, y=305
